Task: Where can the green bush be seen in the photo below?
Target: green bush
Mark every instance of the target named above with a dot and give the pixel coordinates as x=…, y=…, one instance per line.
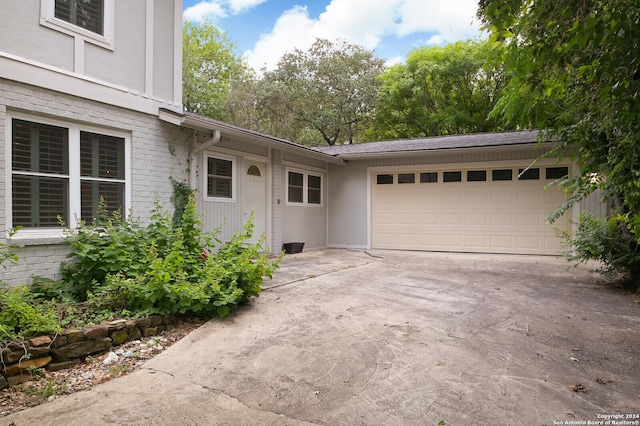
x=22, y=316
x=602, y=239
x=175, y=269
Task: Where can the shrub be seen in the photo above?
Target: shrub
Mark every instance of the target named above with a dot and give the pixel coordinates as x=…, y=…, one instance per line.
x=21, y=316
x=600, y=239
x=175, y=270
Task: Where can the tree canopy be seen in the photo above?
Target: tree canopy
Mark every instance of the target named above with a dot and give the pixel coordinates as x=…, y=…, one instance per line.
x=210, y=63
x=440, y=91
x=576, y=71
x=326, y=93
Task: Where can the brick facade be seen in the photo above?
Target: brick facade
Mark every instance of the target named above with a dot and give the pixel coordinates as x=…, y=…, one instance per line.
x=159, y=150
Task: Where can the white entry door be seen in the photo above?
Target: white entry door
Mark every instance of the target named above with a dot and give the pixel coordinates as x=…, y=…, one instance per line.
x=255, y=197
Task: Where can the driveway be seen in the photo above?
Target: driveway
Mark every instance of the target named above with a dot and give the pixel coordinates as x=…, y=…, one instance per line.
x=391, y=338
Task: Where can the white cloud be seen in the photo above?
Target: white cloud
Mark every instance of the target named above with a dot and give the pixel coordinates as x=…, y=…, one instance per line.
x=450, y=20
x=204, y=10
x=239, y=6
x=366, y=23
x=218, y=9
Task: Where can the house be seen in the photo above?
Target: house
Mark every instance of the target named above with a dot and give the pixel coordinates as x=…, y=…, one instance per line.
x=91, y=106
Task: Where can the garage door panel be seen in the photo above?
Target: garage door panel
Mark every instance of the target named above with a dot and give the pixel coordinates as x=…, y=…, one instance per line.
x=502, y=219
x=452, y=218
x=476, y=219
x=452, y=241
x=502, y=242
x=476, y=241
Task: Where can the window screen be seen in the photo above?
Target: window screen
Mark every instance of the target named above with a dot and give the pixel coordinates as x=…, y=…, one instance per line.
x=556, y=172
x=219, y=178
x=502, y=174
x=406, y=178
x=531, y=174
x=386, y=179
x=296, y=187
x=314, y=189
x=40, y=174
x=429, y=177
x=452, y=176
x=87, y=14
x=476, y=175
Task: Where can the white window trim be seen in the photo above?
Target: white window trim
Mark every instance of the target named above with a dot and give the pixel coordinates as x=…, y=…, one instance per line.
x=74, y=174
x=305, y=188
x=48, y=19
x=234, y=177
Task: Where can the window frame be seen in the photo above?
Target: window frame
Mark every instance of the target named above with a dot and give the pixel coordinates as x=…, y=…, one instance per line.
x=305, y=188
x=234, y=177
x=74, y=177
x=48, y=19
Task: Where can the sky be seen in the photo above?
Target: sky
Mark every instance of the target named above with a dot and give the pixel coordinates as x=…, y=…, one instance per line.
x=264, y=30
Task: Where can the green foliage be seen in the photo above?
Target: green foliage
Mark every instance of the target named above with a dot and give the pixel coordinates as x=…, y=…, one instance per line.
x=9, y=252
x=210, y=63
x=324, y=95
x=112, y=245
x=574, y=67
x=440, y=91
x=599, y=239
x=21, y=316
x=180, y=197
x=176, y=270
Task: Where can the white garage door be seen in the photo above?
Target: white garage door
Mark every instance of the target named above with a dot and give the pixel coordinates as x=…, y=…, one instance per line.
x=489, y=210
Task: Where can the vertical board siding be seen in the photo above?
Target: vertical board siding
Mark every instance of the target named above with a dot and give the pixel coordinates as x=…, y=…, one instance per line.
x=307, y=225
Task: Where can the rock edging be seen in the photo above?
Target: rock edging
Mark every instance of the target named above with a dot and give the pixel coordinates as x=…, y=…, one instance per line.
x=56, y=352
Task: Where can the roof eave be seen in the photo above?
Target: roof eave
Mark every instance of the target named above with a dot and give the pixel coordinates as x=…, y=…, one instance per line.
x=204, y=124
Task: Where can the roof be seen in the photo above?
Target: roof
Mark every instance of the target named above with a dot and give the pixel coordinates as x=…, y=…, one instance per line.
x=477, y=140
x=200, y=122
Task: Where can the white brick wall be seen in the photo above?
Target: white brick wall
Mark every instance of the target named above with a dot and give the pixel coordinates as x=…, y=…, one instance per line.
x=152, y=161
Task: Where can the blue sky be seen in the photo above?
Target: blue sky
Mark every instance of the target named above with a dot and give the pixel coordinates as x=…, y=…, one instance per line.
x=263, y=30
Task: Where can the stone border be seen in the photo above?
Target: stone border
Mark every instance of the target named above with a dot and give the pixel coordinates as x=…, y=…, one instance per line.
x=72, y=346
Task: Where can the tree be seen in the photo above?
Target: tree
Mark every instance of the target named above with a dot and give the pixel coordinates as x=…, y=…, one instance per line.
x=440, y=91
x=576, y=72
x=323, y=95
x=210, y=63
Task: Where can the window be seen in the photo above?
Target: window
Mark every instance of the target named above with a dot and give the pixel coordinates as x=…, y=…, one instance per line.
x=220, y=178
x=530, y=174
x=385, y=179
x=314, y=189
x=556, y=172
x=476, y=175
x=90, y=20
x=503, y=174
x=406, y=178
x=429, y=177
x=48, y=163
x=452, y=176
x=304, y=188
x=87, y=14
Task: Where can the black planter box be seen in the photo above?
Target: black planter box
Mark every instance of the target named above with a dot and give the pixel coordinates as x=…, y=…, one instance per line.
x=291, y=248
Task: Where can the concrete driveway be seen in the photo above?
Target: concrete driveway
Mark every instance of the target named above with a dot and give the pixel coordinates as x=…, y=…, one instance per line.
x=391, y=338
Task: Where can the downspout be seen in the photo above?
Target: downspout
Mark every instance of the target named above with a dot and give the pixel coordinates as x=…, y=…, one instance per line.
x=215, y=138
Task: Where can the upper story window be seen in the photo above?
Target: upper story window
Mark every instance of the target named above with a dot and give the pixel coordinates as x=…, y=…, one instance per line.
x=304, y=188
x=220, y=178
x=91, y=20
x=61, y=171
x=87, y=14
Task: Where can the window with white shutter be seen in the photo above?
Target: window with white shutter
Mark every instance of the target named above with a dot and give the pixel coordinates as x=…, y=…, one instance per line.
x=48, y=161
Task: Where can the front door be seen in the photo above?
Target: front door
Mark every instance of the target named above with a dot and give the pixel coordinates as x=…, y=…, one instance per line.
x=255, y=197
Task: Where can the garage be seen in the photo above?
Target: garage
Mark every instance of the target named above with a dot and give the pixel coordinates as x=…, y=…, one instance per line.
x=495, y=208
